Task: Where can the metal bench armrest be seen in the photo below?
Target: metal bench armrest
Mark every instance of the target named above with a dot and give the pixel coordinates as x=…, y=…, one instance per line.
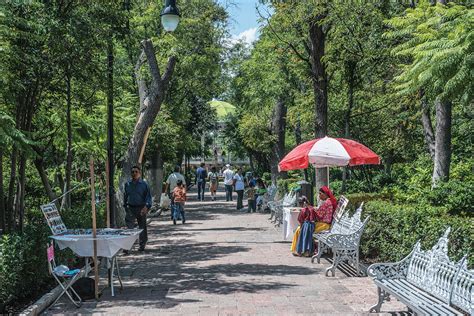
x=392, y=270
x=384, y=270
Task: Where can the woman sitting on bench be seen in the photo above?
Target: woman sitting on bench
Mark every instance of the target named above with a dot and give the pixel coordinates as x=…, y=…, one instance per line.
x=312, y=221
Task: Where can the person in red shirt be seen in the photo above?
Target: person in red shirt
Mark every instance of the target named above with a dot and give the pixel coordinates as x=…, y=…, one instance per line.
x=179, y=196
x=325, y=211
x=313, y=220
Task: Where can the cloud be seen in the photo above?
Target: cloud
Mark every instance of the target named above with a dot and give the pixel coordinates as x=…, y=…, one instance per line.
x=248, y=36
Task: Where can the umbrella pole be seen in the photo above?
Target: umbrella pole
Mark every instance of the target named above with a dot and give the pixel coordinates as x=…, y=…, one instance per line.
x=327, y=170
x=94, y=229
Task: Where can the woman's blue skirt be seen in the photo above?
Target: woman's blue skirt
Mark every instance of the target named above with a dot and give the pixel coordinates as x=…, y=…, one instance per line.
x=305, y=240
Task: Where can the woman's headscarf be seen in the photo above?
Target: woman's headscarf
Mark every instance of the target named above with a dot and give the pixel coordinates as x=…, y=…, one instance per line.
x=328, y=192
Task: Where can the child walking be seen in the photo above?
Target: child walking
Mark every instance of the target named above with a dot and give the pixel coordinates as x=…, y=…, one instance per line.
x=179, y=195
x=251, y=198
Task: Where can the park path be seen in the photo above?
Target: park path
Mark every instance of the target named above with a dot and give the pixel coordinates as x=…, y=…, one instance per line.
x=225, y=262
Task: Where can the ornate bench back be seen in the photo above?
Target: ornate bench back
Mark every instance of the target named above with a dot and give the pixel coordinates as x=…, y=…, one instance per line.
x=463, y=289
x=433, y=271
x=340, y=209
x=290, y=199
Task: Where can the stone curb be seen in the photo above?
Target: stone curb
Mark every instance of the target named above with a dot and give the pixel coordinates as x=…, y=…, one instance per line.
x=45, y=301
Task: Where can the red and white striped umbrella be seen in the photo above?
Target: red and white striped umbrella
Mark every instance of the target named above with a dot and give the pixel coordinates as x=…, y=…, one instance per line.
x=328, y=152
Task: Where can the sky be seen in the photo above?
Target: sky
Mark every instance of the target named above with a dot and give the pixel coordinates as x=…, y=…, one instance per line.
x=243, y=19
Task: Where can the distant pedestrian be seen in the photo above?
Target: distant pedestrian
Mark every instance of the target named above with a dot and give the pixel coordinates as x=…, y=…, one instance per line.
x=239, y=186
x=251, y=206
x=228, y=182
x=137, y=201
x=179, y=197
x=201, y=176
x=213, y=182
x=260, y=193
x=171, y=183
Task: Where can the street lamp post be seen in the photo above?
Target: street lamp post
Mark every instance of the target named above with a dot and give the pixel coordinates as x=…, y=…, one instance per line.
x=170, y=20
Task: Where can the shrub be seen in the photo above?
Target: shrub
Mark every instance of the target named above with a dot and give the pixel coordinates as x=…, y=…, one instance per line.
x=393, y=230
x=23, y=264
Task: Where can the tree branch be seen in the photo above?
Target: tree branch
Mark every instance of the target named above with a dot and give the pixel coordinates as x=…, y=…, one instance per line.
x=141, y=83
x=169, y=71
x=293, y=48
x=152, y=62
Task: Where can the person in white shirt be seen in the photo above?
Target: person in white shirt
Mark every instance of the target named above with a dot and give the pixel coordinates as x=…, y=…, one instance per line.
x=172, y=180
x=239, y=186
x=228, y=182
x=171, y=183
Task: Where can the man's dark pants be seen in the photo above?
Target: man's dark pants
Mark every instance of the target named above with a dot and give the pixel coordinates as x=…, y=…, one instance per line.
x=201, y=189
x=240, y=199
x=228, y=192
x=134, y=213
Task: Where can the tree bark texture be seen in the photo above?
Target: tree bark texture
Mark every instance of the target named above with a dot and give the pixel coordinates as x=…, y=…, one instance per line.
x=317, y=39
x=442, y=156
x=278, y=129
x=427, y=125
x=151, y=98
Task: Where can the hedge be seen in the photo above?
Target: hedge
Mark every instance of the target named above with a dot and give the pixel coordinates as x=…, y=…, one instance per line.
x=393, y=230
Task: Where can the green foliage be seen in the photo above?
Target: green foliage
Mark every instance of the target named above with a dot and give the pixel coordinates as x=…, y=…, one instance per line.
x=23, y=264
x=438, y=43
x=393, y=230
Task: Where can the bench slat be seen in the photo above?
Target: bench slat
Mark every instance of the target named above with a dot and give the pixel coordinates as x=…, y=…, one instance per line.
x=416, y=298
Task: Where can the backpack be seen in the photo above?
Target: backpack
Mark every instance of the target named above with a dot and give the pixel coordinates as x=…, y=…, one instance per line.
x=85, y=287
x=213, y=177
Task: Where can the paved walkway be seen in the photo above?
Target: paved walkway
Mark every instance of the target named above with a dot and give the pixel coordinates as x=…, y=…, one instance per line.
x=225, y=262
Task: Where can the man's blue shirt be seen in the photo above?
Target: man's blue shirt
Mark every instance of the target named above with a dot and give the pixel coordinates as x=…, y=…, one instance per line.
x=201, y=174
x=137, y=193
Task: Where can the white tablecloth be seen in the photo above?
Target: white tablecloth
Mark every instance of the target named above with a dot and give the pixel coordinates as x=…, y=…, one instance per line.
x=290, y=221
x=107, y=245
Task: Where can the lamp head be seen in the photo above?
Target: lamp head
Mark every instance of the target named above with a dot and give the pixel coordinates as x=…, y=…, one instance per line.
x=170, y=16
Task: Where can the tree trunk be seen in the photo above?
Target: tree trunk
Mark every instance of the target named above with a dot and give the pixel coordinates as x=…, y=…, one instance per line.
x=155, y=175
x=442, y=157
x=20, y=204
x=347, y=117
x=152, y=101
x=317, y=39
x=2, y=194
x=110, y=130
x=66, y=202
x=44, y=179
x=278, y=128
x=427, y=125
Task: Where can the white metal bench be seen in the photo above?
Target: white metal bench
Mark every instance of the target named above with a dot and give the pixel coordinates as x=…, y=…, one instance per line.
x=267, y=198
x=428, y=282
x=344, y=241
x=277, y=207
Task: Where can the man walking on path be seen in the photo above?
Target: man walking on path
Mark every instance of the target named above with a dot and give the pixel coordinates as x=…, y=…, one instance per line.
x=228, y=182
x=201, y=176
x=137, y=202
x=172, y=181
